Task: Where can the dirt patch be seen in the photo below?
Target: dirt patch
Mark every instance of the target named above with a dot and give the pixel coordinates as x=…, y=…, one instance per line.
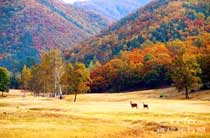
x=158, y=127
x=153, y=126
x=3, y=104
x=45, y=109
x=51, y=115
x=49, y=99
x=137, y=122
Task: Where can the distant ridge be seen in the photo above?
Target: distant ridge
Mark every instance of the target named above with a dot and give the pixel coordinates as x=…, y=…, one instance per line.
x=112, y=9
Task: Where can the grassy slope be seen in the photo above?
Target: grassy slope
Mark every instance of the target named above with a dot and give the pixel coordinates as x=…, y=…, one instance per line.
x=106, y=115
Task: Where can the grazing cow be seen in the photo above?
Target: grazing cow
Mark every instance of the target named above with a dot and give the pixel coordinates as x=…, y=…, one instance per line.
x=134, y=105
x=145, y=106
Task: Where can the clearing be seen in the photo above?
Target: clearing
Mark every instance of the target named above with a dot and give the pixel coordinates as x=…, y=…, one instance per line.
x=106, y=115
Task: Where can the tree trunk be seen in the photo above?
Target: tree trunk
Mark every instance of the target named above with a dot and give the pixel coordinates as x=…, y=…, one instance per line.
x=2, y=93
x=186, y=93
x=75, y=97
x=60, y=89
x=61, y=93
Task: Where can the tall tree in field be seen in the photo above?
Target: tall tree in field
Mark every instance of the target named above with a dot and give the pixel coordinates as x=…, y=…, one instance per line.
x=52, y=67
x=81, y=77
x=57, y=70
x=4, y=80
x=25, y=78
x=184, y=69
x=45, y=69
x=37, y=83
x=75, y=79
x=67, y=79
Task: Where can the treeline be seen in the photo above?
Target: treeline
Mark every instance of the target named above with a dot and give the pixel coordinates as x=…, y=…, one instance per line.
x=185, y=64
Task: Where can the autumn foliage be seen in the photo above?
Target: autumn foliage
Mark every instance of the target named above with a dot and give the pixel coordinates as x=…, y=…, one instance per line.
x=156, y=65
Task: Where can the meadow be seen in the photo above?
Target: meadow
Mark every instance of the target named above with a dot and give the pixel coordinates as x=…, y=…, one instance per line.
x=106, y=115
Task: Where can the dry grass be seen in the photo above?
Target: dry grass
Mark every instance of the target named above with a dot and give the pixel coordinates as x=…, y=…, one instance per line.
x=106, y=116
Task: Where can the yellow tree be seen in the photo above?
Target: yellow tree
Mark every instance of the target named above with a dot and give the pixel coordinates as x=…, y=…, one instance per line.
x=52, y=67
x=75, y=79
x=25, y=78
x=37, y=82
x=184, y=69
x=81, y=77
x=67, y=78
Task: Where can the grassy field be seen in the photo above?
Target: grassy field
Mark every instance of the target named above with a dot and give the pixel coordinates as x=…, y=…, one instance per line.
x=106, y=116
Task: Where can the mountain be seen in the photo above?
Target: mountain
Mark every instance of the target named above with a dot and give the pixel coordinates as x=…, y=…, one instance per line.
x=159, y=21
x=112, y=9
x=28, y=27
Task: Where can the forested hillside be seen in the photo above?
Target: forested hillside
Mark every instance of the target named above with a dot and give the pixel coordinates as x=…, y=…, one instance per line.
x=112, y=9
x=162, y=44
x=28, y=27
x=159, y=21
